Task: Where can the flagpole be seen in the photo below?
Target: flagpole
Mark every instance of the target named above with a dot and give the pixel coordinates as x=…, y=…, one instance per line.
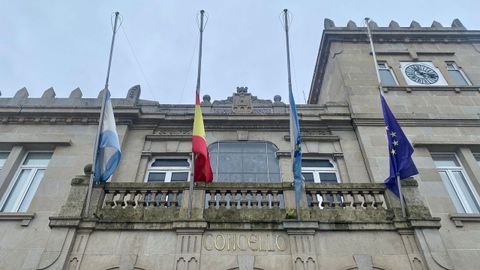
x=292, y=141
x=102, y=112
x=380, y=89
x=197, y=94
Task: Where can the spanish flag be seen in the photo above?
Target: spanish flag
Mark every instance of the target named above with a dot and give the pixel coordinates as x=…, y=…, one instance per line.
x=203, y=170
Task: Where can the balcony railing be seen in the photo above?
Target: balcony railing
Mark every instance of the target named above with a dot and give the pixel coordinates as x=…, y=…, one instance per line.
x=240, y=205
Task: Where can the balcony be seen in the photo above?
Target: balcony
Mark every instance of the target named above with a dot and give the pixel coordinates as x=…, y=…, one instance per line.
x=157, y=206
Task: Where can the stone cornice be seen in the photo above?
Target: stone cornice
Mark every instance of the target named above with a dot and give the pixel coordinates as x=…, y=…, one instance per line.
x=359, y=121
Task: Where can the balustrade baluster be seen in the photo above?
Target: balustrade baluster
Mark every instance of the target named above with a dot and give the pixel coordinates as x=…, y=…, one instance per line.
x=324, y=196
x=275, y=199
x=119, y=200
x=378, y=199
x=223, y=201
x=357, y=199
x=243, y=199
x=264, y=199
x=368, y=199
x=108, y=201
x=347, y=199
x=173, y=201
x=163, y=198
x=315, y=201
x=212, y=202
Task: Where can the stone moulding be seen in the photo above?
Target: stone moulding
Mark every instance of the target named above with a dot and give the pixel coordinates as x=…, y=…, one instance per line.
x=25, y=218
x=458, y=218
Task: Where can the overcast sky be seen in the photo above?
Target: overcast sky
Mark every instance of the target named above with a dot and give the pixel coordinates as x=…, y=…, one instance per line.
x=65, y=44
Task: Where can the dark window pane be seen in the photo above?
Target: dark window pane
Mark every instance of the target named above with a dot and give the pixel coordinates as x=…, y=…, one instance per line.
x=387, y=77
x=308, y=177
x=179, y=176
x=328, y=178
x=324, y=163
x=171, y=163
x=156, y=177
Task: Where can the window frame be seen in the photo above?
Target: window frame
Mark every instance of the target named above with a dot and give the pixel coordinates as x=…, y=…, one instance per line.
x=31, y=176
x=168, y=170
x=449, y=170
x=317, y=170
x=389, y=69
x=215, y=146
x=2, y=165
x=459, y=70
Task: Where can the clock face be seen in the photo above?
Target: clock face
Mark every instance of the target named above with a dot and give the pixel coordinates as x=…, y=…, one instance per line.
x=421, y=74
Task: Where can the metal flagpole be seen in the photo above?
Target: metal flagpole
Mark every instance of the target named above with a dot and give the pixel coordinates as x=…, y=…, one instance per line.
x=102, y=112
x=197, y=93
x=292, y=141
x=380, y=89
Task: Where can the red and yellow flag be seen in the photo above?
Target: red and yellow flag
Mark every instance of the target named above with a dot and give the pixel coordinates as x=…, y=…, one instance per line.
x=203, y=170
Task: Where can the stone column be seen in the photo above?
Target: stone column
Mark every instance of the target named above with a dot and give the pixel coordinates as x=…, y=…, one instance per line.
x=302, y=244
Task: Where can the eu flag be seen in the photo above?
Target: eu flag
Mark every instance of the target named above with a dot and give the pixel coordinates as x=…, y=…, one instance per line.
x=399, y=148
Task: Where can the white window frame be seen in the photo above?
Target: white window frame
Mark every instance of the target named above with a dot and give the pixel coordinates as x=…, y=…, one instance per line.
x=317, y=170
x=457, y=68
x=34, y=169
x=449, y=170
x=168, y=170
x=383, y=65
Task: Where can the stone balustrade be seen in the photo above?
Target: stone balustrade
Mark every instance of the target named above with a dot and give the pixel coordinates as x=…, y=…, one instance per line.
x=146, y=195
x=355, y=196
x=244, y=196
x=241, y=205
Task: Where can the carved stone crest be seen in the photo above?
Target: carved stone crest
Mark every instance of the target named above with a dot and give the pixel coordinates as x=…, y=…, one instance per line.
x=242, y=101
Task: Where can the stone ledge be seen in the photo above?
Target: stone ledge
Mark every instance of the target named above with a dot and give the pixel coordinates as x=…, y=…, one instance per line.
x=412, y=88
x=64, y=222
x=458, y=218
x=25, y=218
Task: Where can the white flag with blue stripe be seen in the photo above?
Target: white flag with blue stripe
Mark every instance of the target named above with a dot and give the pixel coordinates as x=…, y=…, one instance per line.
x=108, y=151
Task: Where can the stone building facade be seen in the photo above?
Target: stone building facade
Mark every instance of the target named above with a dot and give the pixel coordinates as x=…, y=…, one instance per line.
x=245, y=219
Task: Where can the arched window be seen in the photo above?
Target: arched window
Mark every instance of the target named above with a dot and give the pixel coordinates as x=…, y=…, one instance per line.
x=245, y=161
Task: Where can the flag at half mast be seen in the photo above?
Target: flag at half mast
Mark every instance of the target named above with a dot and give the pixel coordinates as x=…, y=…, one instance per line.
x=202, y=169
x=107, y=152
x=399, y=148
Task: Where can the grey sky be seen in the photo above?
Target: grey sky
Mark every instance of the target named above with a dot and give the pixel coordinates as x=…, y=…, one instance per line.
x=64, y=44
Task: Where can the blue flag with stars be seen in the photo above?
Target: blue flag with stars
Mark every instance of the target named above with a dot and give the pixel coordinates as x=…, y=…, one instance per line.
x=297, y=149
x=399, y=148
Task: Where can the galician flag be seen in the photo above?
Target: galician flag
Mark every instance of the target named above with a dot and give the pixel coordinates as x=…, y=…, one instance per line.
x=202, y=169
x=108, y=151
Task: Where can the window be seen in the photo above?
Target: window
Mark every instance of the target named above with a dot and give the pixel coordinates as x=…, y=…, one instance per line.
x=457, y=74
x=244, y=162
x=3, y=158
x=168, y=170
x=319, y=171
x=457, y=183
x=26, y=181
x=386, y=74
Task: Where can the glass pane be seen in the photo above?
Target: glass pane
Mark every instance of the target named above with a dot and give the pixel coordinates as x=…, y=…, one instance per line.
x=37, y=159
x=18, y=188
x=308, y=176
x=156, y=177
x=230, y=147
x=179, y=176
x=171, y=163
x=230, y=162
x=451, y=192
x=323, y=163
x=254, y=147
x=445, y=161
x=387, y=77
x=3, y=158
x=328, y=178
x=467, y=192
x=31, y=191
x=457, y=77
x=255, y=163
